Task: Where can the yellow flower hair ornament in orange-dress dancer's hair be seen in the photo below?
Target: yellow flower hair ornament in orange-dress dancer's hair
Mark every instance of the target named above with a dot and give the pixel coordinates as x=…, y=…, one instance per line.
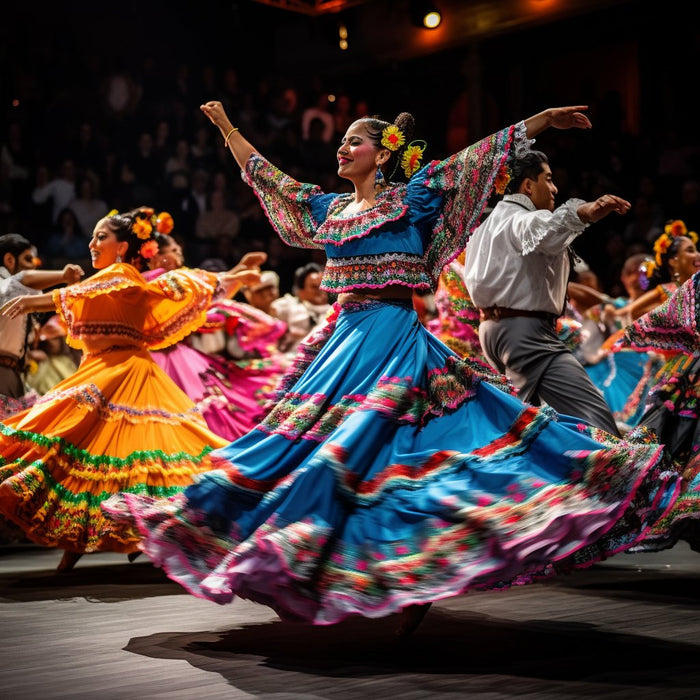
x=146, y=221
x=673, y=229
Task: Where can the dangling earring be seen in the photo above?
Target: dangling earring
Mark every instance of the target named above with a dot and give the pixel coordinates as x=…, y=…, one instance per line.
x=677, y=277
x=379, y=180
x=119, y=258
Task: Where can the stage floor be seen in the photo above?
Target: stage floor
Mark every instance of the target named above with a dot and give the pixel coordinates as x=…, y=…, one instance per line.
x=626, y=628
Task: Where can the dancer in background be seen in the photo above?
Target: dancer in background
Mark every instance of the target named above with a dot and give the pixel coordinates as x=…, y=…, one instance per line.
x=624, y=375
x=229, y=390
x=304, y=309
x=119, y=423
x=517, y=269
x=391, y=473
x=673, y=406
x=19, y=276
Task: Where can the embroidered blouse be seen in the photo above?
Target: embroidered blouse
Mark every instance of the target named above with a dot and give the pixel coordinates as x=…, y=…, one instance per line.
x=118, y=307
x=411, y=233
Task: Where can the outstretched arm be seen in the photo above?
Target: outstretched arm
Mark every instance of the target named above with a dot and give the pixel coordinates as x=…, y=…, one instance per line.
x=239, y=146
x=28, y=303
x=232, y=281
x=558, y=118
x=41, y=279
x=640, y=306
x=590, y=212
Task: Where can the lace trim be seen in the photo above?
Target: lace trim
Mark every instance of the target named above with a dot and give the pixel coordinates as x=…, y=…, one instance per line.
x=374, y=272
x=337, y=229
x=567, y=215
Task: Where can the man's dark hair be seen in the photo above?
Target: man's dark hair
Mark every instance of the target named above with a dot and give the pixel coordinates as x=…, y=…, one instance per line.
x=13, y=243
x=301, y=273
x=527, y=166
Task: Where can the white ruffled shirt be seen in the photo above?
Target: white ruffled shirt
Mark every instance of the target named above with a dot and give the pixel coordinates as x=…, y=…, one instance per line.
x=13, y=331
x=517, y=257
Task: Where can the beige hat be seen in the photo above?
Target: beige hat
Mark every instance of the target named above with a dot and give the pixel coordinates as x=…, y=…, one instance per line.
x=268, y=278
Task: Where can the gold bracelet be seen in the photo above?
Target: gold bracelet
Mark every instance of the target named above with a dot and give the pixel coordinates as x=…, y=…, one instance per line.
x=235, y=128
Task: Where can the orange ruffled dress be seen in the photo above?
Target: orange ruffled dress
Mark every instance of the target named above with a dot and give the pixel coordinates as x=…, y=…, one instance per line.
x=119, y=423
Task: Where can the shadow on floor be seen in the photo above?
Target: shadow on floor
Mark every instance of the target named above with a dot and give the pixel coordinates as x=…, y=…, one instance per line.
x=461, y=648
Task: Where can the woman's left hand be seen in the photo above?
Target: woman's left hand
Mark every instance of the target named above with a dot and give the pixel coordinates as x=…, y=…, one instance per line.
x=570, y=118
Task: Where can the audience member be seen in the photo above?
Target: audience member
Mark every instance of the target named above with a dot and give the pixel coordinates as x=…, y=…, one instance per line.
x=262, y=294
x=304, y=309
x=59, y=190
x=87, y=206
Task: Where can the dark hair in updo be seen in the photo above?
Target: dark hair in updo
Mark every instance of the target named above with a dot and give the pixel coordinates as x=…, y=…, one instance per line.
x=164, y=240
x=662, y=273
x=375, y=126
x=121, y=226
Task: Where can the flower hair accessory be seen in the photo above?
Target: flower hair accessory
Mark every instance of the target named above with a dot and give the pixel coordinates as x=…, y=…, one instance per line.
x=142, y=226
x=148, y=249
x=411, y=159
x=392, y=137
x=164, y=223
x=503, y=177
x=646, y=270
x=673, y=229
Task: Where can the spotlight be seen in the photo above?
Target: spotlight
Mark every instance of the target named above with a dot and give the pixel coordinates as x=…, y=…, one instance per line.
x=425, y=14
x=343, y=36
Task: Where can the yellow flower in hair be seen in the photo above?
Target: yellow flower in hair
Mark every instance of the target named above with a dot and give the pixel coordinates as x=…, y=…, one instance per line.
x=393, y=138
x=114, y=212
x=410, y=161
x=672, y=230
x=661, y=245
x=142, y=228
x=676, y=228
x=164, y=222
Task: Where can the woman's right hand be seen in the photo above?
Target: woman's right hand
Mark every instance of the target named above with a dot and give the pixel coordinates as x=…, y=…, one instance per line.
x=217, y=115
x=72, y=273
x=232, y=281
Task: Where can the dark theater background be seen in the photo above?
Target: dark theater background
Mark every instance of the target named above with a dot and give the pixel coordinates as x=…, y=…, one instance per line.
x=123, y=68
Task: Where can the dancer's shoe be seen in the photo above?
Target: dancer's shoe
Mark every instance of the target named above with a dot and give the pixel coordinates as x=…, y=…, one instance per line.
x=68, y=561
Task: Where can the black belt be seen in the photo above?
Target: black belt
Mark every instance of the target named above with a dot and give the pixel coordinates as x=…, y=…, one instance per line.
x=496, y=313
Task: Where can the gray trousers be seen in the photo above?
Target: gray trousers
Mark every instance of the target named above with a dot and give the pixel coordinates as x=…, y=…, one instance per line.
x=528, y=351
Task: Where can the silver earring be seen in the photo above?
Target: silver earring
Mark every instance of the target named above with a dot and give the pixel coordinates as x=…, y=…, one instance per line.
x=677, y=276
x=379, y=180
x=119, y=258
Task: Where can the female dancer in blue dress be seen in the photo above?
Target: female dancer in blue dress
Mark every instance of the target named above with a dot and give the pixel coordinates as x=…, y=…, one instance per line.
x=391, y=473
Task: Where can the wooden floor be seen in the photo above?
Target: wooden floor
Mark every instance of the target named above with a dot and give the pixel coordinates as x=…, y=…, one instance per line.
x=627, y=628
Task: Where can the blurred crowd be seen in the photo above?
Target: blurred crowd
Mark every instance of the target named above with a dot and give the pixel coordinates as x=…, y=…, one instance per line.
x=138, y=138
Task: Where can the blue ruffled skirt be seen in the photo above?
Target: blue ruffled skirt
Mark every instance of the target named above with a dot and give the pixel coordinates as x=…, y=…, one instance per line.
x=391, y=472
x=625, y=378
